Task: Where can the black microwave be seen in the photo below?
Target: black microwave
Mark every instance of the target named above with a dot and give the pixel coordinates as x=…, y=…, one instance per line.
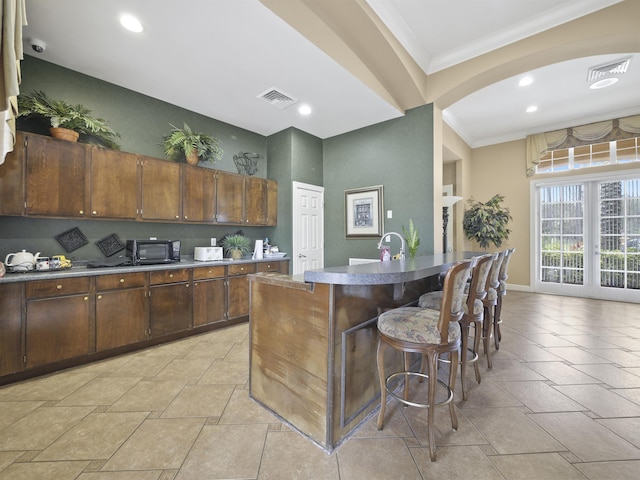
x=149, y=252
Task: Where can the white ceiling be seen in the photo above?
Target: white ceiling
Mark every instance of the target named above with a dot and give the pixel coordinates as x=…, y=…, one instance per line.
x=215, y=57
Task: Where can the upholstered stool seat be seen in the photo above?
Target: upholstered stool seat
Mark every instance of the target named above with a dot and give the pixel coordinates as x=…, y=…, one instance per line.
x=429, y=333
x=473, y=314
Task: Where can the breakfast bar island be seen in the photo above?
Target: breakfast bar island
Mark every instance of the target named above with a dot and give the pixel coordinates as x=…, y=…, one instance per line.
x=313, y=340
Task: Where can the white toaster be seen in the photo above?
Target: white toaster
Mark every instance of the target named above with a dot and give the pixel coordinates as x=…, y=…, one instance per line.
x=207, y=254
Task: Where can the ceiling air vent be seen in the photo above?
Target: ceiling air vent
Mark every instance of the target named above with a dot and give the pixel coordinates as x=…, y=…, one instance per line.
x=614, y=69
x=277, y=98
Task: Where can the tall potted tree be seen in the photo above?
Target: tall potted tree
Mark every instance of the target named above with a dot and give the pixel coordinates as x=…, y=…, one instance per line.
x=487, y=222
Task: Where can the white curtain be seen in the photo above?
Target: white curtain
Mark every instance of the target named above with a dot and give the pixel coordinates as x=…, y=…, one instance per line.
x=13, y=18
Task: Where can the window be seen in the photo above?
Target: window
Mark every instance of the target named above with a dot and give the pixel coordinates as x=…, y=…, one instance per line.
x=585, y=156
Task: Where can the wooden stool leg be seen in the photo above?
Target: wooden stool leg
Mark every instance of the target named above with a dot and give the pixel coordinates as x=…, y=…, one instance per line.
x=477, y=334
x=486, y=334
x=432, y=366
x=464, y=330
x=453, y=356
x=497, y=336
x=383, y=387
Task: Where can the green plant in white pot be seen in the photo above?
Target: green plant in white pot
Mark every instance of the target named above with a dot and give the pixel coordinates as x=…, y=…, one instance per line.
x=487, y=222
x=236, y=245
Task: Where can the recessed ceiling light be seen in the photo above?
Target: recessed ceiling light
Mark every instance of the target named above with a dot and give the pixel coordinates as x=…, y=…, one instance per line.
x=532, y=109
x=524, y=81
x=304, y=109
x=131, y=23
x=605, y=82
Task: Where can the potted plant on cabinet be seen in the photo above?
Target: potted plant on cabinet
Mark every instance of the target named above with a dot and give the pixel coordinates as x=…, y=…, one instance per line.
x=185, y=144
x=236, y=245
x=486, y=222
x=66, y=121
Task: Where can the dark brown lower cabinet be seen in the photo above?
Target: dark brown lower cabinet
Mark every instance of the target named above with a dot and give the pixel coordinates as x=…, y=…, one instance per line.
x=238, y=289
x=209, y=302
x=11, y=328
x=170, y=304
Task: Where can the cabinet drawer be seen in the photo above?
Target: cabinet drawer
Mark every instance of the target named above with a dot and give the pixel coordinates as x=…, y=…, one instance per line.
x=269, y=267
x=242, y=269
x=170, y=276
x=62, y=286
x=126, y=280
x=201, y=273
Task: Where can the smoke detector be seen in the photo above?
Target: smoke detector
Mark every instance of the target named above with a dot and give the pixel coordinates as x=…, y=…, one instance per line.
x=277, y=98
x=607, y=74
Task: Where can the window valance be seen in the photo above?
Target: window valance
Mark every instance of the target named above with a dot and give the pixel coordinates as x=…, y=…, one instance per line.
x=540, y=144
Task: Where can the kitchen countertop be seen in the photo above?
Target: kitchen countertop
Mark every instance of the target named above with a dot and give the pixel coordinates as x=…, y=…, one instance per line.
x=82, y=271
x=383, y=273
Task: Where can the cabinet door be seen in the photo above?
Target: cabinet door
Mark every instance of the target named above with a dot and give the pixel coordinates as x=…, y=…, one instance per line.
x=57, y=329
x=169, y=308
x=55, y=177
x=238, y=296
x=208, y=301
x=230, y=198
x=255, y=206
x=161, y=196
x=198, y=194
x=114, y=184
x=12, y=179
x=272, y=203
x=11, y=328
x=120, y=317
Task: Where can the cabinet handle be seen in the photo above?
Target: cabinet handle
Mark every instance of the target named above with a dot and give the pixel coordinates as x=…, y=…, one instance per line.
x=171, y=275
x=177, y=217
x=186, y=218
x=94, y=213
x=86, y=298
x=187, y=285
x=122, y=280
x=59, y=287
x=195, y=284
x=99, y=297
x=81, y=212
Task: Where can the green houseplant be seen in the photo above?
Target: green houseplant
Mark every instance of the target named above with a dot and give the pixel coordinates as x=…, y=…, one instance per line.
x=185, y=144
x=236, y=245
x=412, y=239
x=67, y=121
x=487, y=222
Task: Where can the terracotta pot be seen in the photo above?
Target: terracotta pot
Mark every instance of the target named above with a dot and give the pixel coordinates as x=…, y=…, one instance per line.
x=64, y=134
x=192, y=158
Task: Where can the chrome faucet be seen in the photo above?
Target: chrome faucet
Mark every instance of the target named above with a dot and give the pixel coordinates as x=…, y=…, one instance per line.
x=402, y=244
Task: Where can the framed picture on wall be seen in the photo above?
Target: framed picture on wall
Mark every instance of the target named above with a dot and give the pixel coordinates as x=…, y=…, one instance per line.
x=363, y=212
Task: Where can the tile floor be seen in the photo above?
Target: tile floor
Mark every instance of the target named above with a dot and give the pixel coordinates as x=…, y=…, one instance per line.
x=561, y=402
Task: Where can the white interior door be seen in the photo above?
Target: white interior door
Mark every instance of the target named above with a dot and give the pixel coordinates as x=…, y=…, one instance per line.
x=308, y=227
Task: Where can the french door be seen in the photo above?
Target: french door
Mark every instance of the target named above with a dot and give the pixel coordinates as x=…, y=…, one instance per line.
x=587, y=239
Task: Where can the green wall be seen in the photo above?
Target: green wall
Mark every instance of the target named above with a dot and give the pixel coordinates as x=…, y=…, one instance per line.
x=397, y=154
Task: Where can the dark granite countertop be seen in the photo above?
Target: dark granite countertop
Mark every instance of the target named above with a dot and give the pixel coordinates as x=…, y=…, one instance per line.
x=81, y=269
x=381, y=273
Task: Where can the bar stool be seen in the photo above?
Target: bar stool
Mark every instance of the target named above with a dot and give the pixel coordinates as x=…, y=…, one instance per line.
x=429, y=333
x=502, y=291
x=489, y=303
x=473, y=315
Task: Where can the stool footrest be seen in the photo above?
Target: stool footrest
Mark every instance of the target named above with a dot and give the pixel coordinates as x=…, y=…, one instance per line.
x=416, y=404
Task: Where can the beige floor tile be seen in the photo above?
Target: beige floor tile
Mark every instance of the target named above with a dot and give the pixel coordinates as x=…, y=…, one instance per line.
x=199, y=401
x=510, y=372
x=627, y=428
x=627, y=470
x=382, y=458
x=540, y=397
x=487, y=394
x=576, y=355
x=282, y=454
x=395, y=424
x=226, y=372
x=242, y=410
x=510, y=431
x=224, y=452
x=108, y=365
x=455, y=463
x=601, y=401
x=143, y=366
x=632, y=394
x=7, y=458
x=561, y=373
x=101, y=391
x=537, y=466
x=97, y=436
x=53, y=387
x=238, y=353
x=611, y=375
x=632, y=344
x=157, y=444
x=589, y=341
x=177, y=348
x=11, y=412
x=530, y=353
x=148, y=396
x=466, y=434
x=43, y=470
x=138, y=475
x=189, y=369
x=40, y=428
x=549, y=340
x=210, y=349
x=585, y=437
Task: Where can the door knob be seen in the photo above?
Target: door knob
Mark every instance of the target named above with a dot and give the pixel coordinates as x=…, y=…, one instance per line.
x=301, y=256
